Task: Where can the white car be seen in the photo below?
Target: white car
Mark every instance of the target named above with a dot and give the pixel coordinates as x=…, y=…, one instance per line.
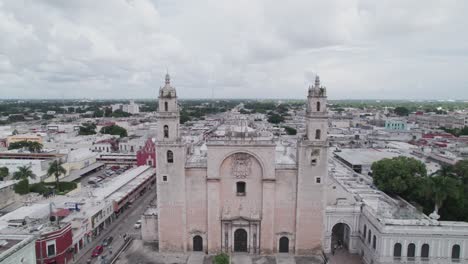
x=137, y=225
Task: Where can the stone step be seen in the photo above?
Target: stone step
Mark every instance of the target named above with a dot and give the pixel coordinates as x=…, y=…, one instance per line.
x=196, y=258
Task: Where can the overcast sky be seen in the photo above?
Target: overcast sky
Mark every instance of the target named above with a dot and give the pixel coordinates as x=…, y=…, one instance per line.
x=386, y=49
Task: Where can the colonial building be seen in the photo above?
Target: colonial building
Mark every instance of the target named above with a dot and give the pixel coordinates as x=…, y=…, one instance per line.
x=243, y=190
x=239, y=197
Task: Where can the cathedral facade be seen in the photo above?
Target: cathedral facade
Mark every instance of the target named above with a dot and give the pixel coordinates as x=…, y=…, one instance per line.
x=240, y=197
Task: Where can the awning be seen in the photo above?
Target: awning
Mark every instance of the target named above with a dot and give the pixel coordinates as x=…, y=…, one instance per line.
x=76, y=174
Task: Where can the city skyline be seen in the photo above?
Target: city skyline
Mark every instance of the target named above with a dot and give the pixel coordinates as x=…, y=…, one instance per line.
x=212, y=49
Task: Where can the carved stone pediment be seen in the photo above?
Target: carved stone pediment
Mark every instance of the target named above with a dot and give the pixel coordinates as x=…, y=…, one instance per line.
x=241, y=165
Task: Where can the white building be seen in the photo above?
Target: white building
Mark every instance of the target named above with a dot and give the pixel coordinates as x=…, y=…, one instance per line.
x=131, y=108
x=383, y=229
x=17, y=249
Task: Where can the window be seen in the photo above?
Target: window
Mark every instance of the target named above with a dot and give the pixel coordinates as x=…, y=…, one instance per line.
x=166, y=131
x=51, y=248
x=313, y=162
x=425, y=251
x=164, y=178
x=150, y=163
x=166, y=107
x=374, y=242
x=318, y=179
x=411, y=251
x=170, y=156
x=365, y=231
x=397, y=251
x=456, y=252
x=240, y=187
x=317, y=134
x=318, y=106
x=369, y=237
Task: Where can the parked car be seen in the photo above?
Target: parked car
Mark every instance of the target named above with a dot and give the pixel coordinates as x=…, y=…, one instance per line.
x=137, y=225
x=97, y=251
x=107, y=241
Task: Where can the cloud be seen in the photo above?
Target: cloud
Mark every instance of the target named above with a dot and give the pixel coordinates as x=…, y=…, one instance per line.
x=240, y=49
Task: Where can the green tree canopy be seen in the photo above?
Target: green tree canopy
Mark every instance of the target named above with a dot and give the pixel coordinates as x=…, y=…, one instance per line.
x=32, y=146
x=3, y=173
x=114, y=130
x=401, y=111
x=56, y=169
x=87, y=129
x=47, y=117
x=290, y=130
x=399, y=175
x=24, y=172
x=120, y=113
x=275, y=118
x=461, y=170
x=22, y=187
x=438, y=188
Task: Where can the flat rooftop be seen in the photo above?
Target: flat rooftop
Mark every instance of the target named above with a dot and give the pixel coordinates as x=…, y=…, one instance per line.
x=365, y=156
x=9, y=244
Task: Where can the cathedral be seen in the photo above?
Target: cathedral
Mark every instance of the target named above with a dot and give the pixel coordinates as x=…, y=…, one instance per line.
x=240, y=195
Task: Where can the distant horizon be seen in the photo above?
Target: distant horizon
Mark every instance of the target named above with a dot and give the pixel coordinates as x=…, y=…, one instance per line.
x=201, y=98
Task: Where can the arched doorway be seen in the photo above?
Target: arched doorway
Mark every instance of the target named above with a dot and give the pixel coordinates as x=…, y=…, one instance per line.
x=240, y=240
x=284, y=245
x=340, y=236
x=197, y=243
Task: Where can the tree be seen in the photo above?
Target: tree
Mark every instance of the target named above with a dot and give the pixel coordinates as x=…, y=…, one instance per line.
x=47, y=117
x=275, y=118
x=461, y=170
x=3, y=173
x=24, y=172
x=290, y=130
x=438, y=189
x=87, y=129
x=120, y=113
x=56, y=169
x=35, y=147
x=399, y=175
x=16, y=118
x=401, y=111
x=32, y=146
x=114, y=130
x=22, y=187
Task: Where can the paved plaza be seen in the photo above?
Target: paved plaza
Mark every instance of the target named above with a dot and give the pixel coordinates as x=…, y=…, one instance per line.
x=146, y=253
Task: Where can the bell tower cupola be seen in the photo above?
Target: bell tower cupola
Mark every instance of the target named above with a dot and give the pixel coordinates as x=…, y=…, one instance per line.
x=168, y=113
x=317, y=113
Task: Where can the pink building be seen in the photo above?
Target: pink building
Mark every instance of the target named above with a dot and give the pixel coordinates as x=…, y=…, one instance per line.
x=147, y=155
x=241, y=194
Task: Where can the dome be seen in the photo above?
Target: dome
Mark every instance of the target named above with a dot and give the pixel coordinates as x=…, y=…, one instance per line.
x=167, y=90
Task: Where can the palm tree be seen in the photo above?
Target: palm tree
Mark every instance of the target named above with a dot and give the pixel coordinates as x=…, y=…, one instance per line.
x=35, y=147
x=56, y=169
x=24, y=172
x=438, y=188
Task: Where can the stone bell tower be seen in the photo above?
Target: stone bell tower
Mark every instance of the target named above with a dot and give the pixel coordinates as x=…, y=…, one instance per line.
x=312, y=161
x=170, y=171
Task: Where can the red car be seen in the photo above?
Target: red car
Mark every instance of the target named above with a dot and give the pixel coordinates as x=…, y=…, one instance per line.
x=97, y=251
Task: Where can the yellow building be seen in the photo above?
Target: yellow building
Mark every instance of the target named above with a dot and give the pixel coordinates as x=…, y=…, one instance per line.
x=24, y=137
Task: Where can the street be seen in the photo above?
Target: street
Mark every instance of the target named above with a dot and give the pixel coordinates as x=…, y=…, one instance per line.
x=122, y=225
